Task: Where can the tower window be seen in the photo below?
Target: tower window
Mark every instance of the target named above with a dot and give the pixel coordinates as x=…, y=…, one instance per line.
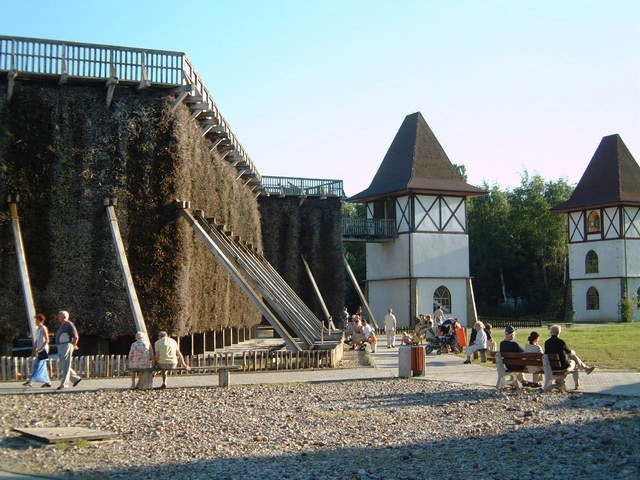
x=591, y=262
x=442, y=298
x=593, y=299
x=593, y=222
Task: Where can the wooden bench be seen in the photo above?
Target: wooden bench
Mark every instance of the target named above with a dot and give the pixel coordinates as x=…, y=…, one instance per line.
x=223, y=371
x=546, y=364
x=483, y=354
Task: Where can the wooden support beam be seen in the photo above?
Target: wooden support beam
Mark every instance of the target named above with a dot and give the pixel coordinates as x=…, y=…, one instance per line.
x=22, y=265
x=11, y=81
x=138, y=318
x=360, y=294
x=111, y=83
x=183, y=94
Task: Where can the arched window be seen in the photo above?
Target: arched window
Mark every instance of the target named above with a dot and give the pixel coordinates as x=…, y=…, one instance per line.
x=591, y=262
x=593, y=222
x=442, y=298
x=593, y=299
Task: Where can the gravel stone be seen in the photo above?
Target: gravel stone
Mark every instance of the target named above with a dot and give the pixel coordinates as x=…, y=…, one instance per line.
x=383, y=429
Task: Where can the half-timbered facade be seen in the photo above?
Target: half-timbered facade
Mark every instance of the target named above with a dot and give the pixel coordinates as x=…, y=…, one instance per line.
x=604, y=234
x=427, y=264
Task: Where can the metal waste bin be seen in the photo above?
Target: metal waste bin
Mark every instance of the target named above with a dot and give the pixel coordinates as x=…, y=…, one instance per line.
x=411, y=361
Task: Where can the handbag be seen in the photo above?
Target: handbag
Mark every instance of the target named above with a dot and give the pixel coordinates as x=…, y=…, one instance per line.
x=43, y=355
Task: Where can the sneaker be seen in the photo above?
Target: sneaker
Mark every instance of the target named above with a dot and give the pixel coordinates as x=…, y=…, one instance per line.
x=62, y=387
x=76, y=382
x=589, y=370
x=467, y=361
x=163, y=386
x=46, y=385
x=27, y=383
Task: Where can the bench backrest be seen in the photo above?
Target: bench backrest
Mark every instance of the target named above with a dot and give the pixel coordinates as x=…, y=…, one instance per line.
x=554, y=361
x=512, y=359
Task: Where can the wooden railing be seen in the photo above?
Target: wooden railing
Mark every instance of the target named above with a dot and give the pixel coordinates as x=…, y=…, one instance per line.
x=369, y=228
x=32, y=56
x=109, y=366
x=303, y=187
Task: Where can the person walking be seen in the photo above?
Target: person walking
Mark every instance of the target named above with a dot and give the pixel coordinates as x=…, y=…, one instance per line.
x=67, y=339
x=390, y=325
x=41, y=353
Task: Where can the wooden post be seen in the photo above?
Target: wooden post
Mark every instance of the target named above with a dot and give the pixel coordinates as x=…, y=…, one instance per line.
x=360, y=294
x=124, y=265
x=22, y=265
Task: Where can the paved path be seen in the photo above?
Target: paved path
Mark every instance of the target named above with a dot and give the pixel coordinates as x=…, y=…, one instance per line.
x=439, y=367
x=447, y=368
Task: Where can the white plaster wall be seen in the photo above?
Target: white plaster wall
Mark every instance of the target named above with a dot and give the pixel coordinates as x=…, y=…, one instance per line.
x=633, y=257
x=610, y=259
x=440, y=255
x=610, y=294
x=425, y=289
x=388, y=260
x=390, y=294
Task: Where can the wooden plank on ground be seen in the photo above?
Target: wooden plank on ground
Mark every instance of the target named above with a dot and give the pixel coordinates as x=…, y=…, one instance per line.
x=64, y=434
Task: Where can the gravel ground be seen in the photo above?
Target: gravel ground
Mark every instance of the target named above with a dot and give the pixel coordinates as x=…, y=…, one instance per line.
x=396, y=428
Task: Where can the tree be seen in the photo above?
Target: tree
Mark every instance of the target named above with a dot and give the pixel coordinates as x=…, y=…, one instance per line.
x=518, y=247
x=355, y=252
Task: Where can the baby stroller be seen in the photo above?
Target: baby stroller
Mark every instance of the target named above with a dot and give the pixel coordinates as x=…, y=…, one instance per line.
x=446, y=342
x=443, y=344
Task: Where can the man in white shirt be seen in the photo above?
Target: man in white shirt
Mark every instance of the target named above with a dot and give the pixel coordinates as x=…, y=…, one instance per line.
x=390, y=325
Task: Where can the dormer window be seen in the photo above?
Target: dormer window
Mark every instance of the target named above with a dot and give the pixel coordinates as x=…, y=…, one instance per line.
x=593, y=222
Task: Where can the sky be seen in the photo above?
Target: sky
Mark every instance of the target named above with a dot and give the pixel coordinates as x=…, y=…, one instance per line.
x=318, y=89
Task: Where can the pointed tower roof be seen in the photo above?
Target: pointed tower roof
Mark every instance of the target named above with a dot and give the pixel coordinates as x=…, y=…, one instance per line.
x=416, y=162
x=611, y=178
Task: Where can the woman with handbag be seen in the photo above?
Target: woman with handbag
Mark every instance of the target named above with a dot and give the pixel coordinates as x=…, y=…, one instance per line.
x=41, y=352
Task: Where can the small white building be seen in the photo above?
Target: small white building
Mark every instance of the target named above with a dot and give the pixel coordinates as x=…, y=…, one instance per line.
x=604, y=234
x=426, y=263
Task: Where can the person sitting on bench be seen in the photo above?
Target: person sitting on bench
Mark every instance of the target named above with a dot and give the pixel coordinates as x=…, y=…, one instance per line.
x=167, y=356
x=140, y=358
x=534, y=347
x=509, y=344
x=568, y=358
x=480, y=341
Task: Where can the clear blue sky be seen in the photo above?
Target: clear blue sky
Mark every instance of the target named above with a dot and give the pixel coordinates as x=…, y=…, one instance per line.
x=319, y=88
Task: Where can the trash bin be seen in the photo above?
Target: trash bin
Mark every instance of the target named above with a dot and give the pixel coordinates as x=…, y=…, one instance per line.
x=411, y=361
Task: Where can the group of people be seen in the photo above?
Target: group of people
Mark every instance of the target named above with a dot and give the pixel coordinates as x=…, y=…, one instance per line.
x=164, y=355
x=569, y=360
x=141, y=354
x=436, y=328
x=359, y=332
x=67, y=341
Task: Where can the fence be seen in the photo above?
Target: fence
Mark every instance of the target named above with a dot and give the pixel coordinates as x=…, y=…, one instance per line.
x=313, y=187
x=521, y=322
x=110, y=366
x=369, y=228
x=90, y=61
